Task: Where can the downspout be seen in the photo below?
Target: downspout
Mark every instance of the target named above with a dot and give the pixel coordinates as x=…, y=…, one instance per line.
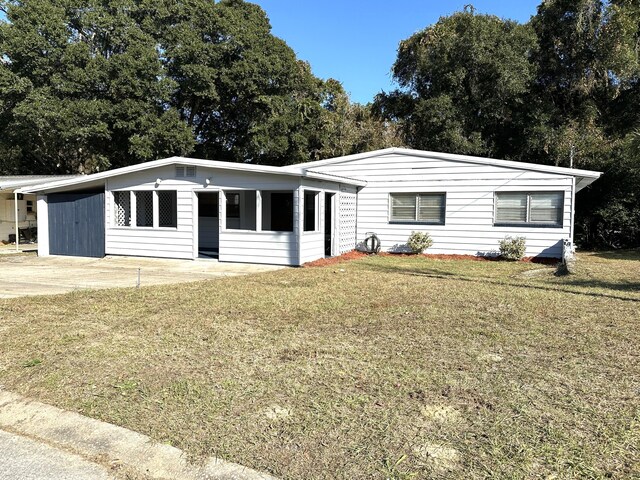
x=15, y=207
x=573, y=209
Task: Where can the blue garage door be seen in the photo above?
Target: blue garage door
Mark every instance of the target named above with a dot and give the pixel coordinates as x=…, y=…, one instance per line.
x=76, y=224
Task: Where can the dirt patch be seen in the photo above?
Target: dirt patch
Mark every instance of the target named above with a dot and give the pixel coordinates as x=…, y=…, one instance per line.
x=440, y=457
x=440, y=413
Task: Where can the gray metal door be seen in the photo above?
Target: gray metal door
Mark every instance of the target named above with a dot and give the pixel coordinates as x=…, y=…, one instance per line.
x=76, y=224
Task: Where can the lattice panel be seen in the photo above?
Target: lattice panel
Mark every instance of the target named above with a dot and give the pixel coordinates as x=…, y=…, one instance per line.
x=122, y=203
x=144, y=209
x=348, y=204
x=167, y=209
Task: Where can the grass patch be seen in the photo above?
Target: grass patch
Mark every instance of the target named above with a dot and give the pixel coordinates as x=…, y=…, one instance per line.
x=384, y=367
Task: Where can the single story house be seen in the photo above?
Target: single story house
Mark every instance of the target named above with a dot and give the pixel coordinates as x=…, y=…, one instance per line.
x=189, y=208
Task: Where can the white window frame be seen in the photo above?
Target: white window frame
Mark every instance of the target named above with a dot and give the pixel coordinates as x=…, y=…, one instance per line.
x=416, y=221
x=316, y=219
x=133, y=211
x=528, y=222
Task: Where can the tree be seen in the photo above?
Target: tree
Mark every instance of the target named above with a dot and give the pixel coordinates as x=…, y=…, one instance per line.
x=463, y=83
x=91, y=91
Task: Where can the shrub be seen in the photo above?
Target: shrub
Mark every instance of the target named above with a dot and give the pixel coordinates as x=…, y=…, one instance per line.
x=513, y=248
x=419, y=241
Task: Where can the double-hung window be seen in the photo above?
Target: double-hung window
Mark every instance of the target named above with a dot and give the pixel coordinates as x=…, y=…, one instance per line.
x=542, y=209
x=427, y=208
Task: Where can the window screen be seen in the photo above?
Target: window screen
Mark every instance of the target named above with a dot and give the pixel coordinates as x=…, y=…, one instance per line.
x=144, y=209
x=418, y=207
x=310, y=209
x=167, y=209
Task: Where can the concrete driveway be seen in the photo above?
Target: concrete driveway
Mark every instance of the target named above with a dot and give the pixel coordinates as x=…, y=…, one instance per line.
x=28, y=274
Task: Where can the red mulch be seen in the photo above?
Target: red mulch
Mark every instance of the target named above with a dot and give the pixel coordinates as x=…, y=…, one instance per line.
x=354, y=255
x=345, y=257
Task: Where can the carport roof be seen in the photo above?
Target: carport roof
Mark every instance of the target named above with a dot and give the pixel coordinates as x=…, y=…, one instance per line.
x=10, y=183
x=82, y=180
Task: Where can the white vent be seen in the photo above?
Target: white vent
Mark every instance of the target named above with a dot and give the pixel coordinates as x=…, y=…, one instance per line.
x=191, y=171
x=179, y=171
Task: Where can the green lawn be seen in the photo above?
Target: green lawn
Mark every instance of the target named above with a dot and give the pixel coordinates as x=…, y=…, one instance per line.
x=384, y=367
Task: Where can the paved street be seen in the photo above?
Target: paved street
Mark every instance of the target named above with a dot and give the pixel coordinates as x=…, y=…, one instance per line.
x=24, y=459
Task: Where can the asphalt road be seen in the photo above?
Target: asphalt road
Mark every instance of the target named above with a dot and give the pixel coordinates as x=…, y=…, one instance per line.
x=24, y=459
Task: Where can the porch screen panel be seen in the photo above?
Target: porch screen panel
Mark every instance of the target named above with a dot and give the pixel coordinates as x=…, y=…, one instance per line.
x=144, y=209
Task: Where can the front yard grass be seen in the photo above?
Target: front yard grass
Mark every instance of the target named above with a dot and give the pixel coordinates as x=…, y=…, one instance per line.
x=384, y=367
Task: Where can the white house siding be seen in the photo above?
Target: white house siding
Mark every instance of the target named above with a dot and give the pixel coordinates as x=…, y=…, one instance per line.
x=469, y=189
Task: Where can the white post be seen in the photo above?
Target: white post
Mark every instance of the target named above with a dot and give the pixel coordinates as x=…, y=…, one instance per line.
x=258, y=211
x=15, y=207
x=43, y=226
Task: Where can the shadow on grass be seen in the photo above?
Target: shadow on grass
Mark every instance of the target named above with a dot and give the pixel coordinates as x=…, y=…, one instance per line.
x=633, y=254
x=432, y=273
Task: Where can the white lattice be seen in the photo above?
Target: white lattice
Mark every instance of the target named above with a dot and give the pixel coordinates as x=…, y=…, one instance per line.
x=122, y=213
x=348, y=203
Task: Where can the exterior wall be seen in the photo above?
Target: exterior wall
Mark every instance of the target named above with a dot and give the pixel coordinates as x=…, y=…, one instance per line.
x=470, y=189
x=312, y=243
x=235, y=245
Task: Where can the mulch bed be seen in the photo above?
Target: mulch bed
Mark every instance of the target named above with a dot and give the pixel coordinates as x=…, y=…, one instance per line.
x=354, y=255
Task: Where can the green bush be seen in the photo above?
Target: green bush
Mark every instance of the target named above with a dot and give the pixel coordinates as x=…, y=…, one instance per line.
x=513, y=248
x=419, y=241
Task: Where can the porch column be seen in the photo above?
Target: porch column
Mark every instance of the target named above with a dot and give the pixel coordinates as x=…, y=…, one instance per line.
x=15, y=207
x=258, y=210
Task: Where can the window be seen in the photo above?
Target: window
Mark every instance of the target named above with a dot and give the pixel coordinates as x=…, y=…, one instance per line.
x=144, y=209
x=418, y=208
x=167, y=209
x=241, y=210
x=233, y=205
x=529, y=208
x=310, y=209
x=122, y=203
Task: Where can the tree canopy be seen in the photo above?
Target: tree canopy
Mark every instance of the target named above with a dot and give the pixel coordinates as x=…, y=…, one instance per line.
x=87, y=85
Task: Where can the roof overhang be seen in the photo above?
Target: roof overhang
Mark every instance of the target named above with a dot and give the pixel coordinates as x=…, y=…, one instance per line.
x=99, y=178
x=583, y=177
x=18, y=182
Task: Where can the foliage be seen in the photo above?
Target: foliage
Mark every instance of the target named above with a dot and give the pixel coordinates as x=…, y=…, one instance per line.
x=419, y=241
x=462, y=83
x=87, y=85
x=513, y=248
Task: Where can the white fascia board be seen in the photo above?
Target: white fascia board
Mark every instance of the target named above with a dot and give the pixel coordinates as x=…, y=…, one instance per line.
x=454, y=158
x=241, y=167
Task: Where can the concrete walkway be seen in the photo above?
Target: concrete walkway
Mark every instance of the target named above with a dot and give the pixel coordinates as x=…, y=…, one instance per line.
x=28, y=274
x=73, y=444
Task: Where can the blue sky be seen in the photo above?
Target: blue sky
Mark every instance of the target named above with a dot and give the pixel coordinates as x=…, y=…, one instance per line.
x=355, y=41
